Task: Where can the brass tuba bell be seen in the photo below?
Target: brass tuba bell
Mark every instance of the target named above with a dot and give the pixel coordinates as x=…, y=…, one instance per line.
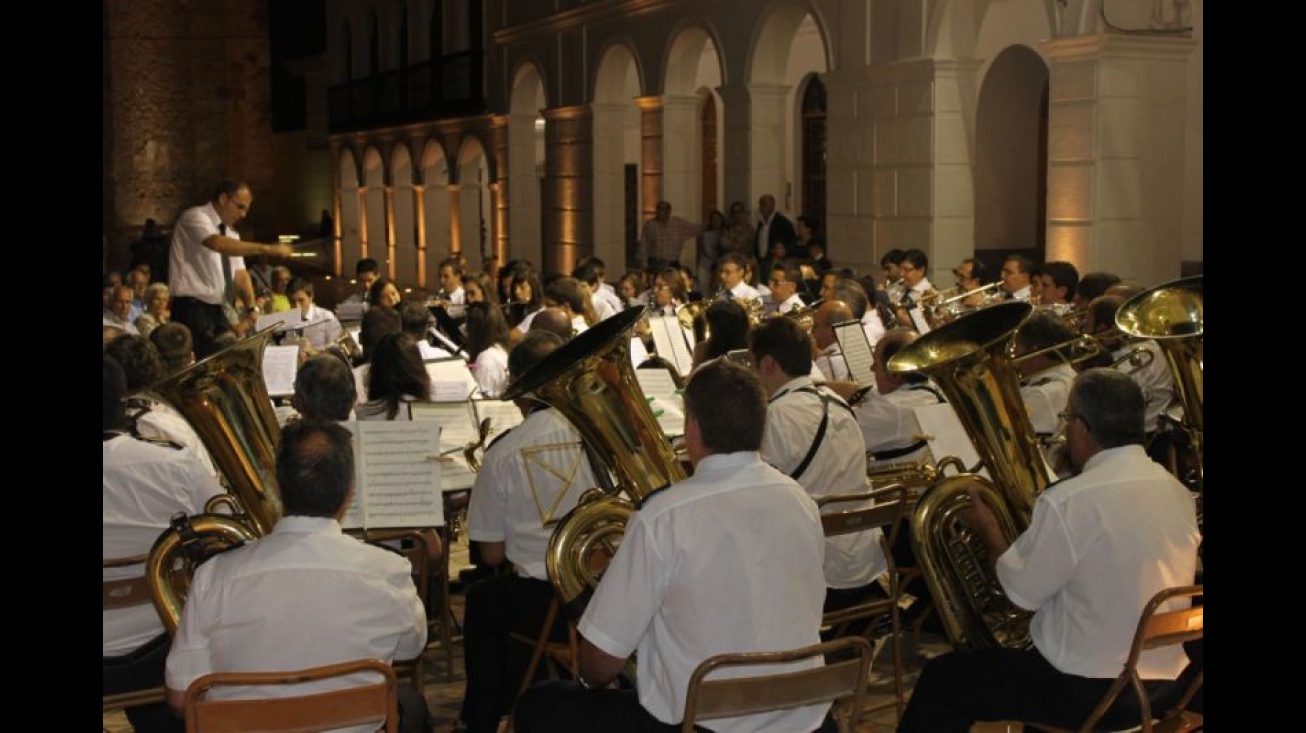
x=970, y=360
x=225, y=399
x=591, y=381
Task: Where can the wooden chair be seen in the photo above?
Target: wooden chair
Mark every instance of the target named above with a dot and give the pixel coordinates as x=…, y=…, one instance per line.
x=129, y=593
x=885, y=512
x=1155, y=630
x=564, y=655
x=415, y=549
x=378, y=701
x=843, y=682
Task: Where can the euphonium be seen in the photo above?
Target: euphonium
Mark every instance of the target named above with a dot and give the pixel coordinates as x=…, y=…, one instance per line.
x=225, y=399
x=590, y=380
x=1171, y=314
x=970, y=361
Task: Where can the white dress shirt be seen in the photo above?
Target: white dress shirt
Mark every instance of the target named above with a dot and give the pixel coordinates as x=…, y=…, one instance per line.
x=1156, y=380
x=144, y=486
x=728, y=560
x=162, y=422
x=194, y=270
x=491, y=371
x=523, y=483
x=1045, y=396
x=832, y=364
x=323, y=330
x=888, y=422
x=306, y=595
x=1098, y=547
x=838, y=467
x=745, y=291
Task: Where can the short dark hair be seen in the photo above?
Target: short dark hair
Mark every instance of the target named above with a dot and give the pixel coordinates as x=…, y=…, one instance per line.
x=299, y=284
x=811, y=224
x=728, y=322
x=892, y=257
x=367, y=264
x=315, y=467
x=785, y=341
x=1102, y=311
x=729, y=405
x=228, y=186
x=1111, y=404
x=397, y=372
x=139, y=360
x=377, y=287
x=114, y=393
x=978, y=270
x=451, y=262
x=917, y=259
x=1093, y=284
x=1043, y=329
x=586, y=272
x=1025, y=264
x=325, y=388
x=531, y=350
x=1064, y=275
x=173, y=340
x=414, y=318
x=566, y=290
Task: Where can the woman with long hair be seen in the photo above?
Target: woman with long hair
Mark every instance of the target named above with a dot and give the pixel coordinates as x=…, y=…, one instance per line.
x=527, y=299
x=728, y=323
x=487, y=348
x=479, y=288
x=397, y=377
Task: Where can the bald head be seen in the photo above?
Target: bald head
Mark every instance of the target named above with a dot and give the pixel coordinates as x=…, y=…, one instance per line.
x=827, y=314
x=890, y=344
x=553, y=320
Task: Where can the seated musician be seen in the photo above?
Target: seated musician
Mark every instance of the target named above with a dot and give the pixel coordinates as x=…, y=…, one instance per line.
x=1046, y=379
x=366, y=272
x=887, y=417
x=307, y=594
x=829, y=355
x=1099, y=546
x=812, y=437
x=396, y=378
x=1155, y=377
x=416, y=319
x=144, y=485
x=322, y=329
x=377, y=323
x=553, y=320
x=729, y=560
x=529, y=478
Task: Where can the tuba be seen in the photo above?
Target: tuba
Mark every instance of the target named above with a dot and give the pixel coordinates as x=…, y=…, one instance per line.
x=225, y=400
x=590, y=380
x=1171, y=314
x=971, y=362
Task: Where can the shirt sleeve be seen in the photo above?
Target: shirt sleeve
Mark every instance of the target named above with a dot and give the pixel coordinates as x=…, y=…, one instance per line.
x=630, y=595
x=487, y=511
x=196, y=227
x=1040, y=562
x=189, y=658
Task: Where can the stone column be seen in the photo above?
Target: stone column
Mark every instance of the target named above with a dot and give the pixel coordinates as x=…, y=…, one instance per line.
x=1116, y=122
x=568, y=203
x=363, y=245
x=389, y=203
x=736, y=143
x=952, y=214
x=455, y=219
x=609, y=176
x=755, y=141
x=650, y=156
x=682, y=182
x=499, y=191
x=523, y=199
x=850, y=146
x=337, y=210
x=419, y=223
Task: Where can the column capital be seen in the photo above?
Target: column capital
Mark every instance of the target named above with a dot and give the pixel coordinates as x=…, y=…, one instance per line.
x=648, y=104
x=1115, y=45
x=570, y=112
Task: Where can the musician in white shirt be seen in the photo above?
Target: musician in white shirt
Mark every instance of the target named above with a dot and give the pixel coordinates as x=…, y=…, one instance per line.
x=320, y=329
x=451, y=282
x=731, y=269
x=829, y=357
x=1015, y=277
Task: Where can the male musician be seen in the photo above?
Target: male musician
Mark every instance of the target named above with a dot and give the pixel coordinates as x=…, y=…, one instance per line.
x=415, y=318
x=1154, y=378
x=914, y=283
x=321, y=329
x=144, y=485
x=731, y=268
x=1099, y=546
x=173, y=340
x=892, y=274
x=729, y=560
x=451, y=282
x=325, y=389
x=566, y=293
x=553, y=320
x=1057, y=281
x=785, y=280
x=1047, y=377
x=1015, y=277
x=1091, y=285
x=887, y=419
x=147, y=418
x=601, y=289
x=829, y=358
x=529, y=479
x=307, y=594
x=205, y=254
x=811, y=436
x=366, y=272
x=870, y=313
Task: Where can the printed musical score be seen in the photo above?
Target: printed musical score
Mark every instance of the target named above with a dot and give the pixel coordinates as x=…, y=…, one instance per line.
x=397, y=475
x=856, y=349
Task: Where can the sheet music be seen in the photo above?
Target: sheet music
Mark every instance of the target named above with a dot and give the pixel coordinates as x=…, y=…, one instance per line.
x=638, y=354
x=451, y=380
x=664, y=399
x=942, y=429
x=918, y=319
x=398, y=475
x=670, y=344
x=350, y=311
x=856, y=349
x=503, y=416
x=458, y=428
x=283, y=320
x=279, y=366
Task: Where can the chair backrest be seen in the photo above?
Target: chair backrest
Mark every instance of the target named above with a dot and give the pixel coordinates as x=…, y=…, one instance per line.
x=723, y=698
x=312, y=711
x=126, y=592
x=1155, y=630
x=888, y=506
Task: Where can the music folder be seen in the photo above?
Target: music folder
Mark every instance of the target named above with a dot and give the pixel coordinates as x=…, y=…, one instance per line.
x=397, y=477
x=448, y=325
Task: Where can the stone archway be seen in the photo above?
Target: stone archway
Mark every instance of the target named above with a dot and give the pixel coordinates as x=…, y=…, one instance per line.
x=620, y=203
x=350, y=212
x=525, y=164
x=435, y=205
x=405, y=224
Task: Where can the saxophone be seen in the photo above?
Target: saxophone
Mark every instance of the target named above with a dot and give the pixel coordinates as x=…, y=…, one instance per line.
x=970, y=359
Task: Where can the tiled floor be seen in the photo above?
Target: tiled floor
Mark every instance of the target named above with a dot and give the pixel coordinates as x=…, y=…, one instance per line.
x=444, y=698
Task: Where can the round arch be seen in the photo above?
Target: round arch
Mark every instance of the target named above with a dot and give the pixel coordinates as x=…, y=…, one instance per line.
x=374, y=216
x=691, y=116
x=472, y=217
x=617, y=152
x=526, y=161
x=405, y=221
x=350, y=211
x=435, y=206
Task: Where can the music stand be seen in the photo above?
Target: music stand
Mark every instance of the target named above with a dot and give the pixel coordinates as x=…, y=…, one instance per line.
x=448, y=325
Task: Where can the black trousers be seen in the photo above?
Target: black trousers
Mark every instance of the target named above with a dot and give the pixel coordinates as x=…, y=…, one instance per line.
x=566, y=707
x=495, y=663
x=204, y=320
x=142, y=669
x=959, y=688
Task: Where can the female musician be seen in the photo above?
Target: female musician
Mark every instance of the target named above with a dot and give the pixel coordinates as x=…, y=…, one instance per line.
x=668, y=292
x=629, y=288
x=728, y=323
x=384, y=292
x=396, y=377
x=478, y=288
x=487, y=347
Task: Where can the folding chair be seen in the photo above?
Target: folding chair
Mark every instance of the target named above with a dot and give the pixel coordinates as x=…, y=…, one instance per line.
x=128, y=593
